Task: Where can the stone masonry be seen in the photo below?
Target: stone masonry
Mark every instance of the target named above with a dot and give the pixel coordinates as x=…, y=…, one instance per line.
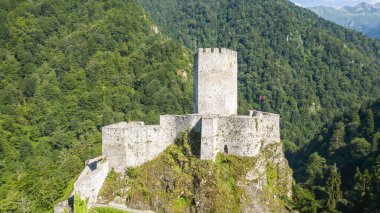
x=215, y=81
x=215, y=119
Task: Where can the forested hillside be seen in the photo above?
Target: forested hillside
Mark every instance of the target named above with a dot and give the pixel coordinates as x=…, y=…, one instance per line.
x=307, y=69
x=68, y=68
x=342, y=164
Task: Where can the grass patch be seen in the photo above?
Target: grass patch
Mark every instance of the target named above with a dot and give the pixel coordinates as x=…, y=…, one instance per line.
x=178, y=181
x=107, y=210
x=115, y=185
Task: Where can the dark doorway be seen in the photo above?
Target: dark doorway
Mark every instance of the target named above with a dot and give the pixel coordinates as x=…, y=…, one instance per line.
x=225, y=149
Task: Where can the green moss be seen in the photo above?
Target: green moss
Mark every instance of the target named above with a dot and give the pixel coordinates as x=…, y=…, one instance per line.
x=277, y=180
x=106, y=210
x=181, y=204
x=132, y=172
x=271, y=174
x=80, y=206
x=114, y=186
x=178, y=181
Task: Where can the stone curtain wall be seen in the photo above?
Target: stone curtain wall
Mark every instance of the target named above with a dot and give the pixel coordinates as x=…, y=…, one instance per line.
x=215, y=126
x=91, y=179
x=132, y=144
x=113, y=145
x=209, y=142
x=238, y=135
x=215, y=81
x=269, y=128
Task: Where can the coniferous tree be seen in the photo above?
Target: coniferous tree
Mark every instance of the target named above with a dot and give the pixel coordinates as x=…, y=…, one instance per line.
x=369, y=124
x=333, y=189
x=337, y=139
x=315, y=168
x=362, y=183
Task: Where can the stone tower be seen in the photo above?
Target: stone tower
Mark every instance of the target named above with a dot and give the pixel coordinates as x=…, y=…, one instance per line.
x=215, y=81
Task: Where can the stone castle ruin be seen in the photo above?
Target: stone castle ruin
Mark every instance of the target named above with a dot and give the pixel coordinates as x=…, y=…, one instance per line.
x=214, y=119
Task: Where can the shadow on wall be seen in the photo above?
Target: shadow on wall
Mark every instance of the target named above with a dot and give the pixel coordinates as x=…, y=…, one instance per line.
x=195, y=141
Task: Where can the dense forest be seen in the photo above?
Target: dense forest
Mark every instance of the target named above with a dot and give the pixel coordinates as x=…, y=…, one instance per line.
x=342, y=168
x=307, y=69
x=67, y=68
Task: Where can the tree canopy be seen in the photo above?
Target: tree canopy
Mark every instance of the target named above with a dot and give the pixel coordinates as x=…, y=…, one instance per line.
x=67, y=68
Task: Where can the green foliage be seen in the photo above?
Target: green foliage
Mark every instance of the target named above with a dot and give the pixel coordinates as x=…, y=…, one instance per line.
x=337, y=139
x=271, y=174
x=113, y=186
x=132, y=172
x=107, y=210
x=67, y=68
x=80, y=206
x=178, y=181
x=369, y=122
x=306, y=69
x=316, y=166
x=305, y=200
x=362, y=180
x=352, y=184
x=333, y=189
x=359, y=147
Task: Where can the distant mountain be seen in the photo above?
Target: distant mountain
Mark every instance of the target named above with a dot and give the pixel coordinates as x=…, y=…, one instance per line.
x=363, y=17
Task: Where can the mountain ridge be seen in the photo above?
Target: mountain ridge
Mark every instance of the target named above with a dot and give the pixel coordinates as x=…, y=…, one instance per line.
x=363, y=17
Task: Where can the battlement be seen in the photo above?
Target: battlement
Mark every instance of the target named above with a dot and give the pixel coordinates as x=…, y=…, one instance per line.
x=254, y=113
x=215, y=123
x=215, y=81
x=223, y=51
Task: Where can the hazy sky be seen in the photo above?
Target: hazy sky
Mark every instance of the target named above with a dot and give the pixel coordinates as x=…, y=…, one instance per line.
x=332, y=3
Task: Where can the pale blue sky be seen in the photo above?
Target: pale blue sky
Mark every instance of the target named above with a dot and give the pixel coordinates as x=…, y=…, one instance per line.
x=332, y=3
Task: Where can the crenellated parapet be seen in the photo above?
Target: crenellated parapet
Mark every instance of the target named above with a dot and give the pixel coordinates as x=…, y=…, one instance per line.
x=222, y=51
x=215, y=120
x=215, y=81
x=132, y=144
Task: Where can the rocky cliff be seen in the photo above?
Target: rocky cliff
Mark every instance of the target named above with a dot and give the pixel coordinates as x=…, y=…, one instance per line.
x=178, y=181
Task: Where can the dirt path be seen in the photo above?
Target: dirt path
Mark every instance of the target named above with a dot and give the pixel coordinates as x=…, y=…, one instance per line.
x=120, y=207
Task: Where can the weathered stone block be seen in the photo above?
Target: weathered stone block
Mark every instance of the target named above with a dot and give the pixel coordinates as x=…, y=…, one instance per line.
x=215, y=81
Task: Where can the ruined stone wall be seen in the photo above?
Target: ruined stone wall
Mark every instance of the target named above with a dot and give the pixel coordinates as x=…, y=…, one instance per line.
x=215, y=81
x=269, y=128
x=140, y=142
x=238, y=135
x=91, y=179
x=113, y=145
x=209, y=138
x=132, y=144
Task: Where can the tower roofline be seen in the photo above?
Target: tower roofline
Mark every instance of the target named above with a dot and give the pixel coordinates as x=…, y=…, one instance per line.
x=217, y=50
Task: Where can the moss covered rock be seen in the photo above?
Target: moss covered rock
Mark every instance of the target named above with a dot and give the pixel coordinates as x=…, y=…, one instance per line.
x=178, y=181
